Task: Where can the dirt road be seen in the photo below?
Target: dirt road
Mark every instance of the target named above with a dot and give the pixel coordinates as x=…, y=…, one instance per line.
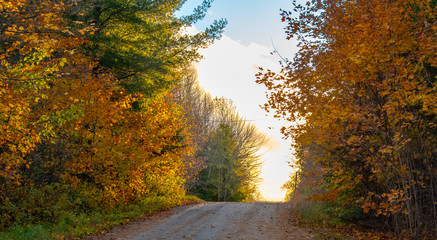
x=208, y=221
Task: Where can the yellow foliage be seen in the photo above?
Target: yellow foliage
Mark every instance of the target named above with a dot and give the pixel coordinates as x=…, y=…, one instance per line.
x=361, y=95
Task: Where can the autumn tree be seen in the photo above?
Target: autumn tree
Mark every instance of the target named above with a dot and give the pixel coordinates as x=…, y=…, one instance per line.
x=360, y=96
x=225, y=165
x=198, y=111
x=86, y=121
x=231, y=156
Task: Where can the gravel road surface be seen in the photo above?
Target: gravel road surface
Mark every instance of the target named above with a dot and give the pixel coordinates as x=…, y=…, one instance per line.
x=210, y=221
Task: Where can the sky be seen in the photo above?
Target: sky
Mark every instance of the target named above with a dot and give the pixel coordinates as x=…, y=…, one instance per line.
x=229, y=66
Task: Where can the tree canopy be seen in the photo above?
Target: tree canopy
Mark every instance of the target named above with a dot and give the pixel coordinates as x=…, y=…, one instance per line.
x=87, y=121
x=226, y=163
x=360, y=96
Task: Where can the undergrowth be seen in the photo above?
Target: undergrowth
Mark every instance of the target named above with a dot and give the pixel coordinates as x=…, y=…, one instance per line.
x=331, y=221
x=76, y=226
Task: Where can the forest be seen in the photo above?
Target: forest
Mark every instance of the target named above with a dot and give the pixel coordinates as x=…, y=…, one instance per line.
x=360, y=97
x=102, y=119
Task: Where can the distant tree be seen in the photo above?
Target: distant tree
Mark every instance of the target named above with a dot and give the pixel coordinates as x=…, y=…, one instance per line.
x=225, y=165
x=248, y=143
x=219, y=179
x=231, y=156
x=198, y=109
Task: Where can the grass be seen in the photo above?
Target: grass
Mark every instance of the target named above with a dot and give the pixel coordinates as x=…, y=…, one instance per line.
x=323, y=218
x=314, y=213
x=330, y=221
x=72, y=226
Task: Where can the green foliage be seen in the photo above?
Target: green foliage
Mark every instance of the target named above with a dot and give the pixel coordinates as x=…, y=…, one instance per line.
x=142, y=43
x=231, y=157
x=220, y=180
x=26, y=233
x=324, y=213
x=80, y=224
x=86, y=121
x=226, y=156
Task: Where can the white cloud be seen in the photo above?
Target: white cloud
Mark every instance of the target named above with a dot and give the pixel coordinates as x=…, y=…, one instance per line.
x=228, y=69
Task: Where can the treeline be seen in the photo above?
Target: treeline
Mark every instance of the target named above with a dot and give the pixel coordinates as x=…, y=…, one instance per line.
x=89, y=120
x=227, y=146
x=361, y=97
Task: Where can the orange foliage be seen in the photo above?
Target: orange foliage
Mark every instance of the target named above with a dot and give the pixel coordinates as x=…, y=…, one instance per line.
x=66, y=129
x=362, y=95
x=30, y=40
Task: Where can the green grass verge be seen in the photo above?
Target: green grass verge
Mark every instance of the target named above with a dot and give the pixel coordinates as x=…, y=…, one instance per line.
x=320, y=214
x=73, y=226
